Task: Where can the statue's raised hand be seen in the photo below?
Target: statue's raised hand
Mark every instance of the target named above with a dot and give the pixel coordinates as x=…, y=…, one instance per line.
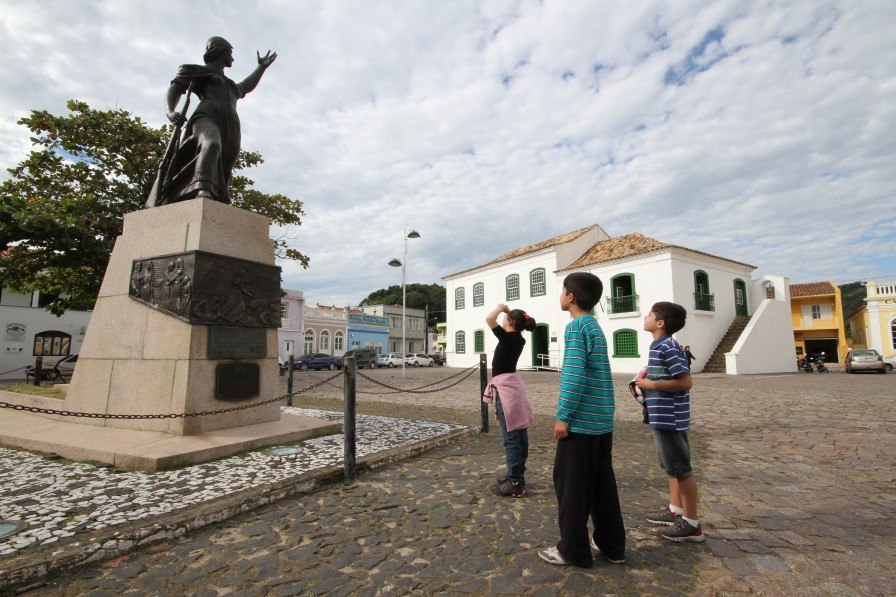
x=266, y=60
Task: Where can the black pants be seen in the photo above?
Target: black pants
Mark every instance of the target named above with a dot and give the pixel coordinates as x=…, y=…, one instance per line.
x=586, y=486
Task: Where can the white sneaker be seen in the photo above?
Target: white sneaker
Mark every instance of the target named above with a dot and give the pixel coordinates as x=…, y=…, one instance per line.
x=552, y=556
x=596, y=548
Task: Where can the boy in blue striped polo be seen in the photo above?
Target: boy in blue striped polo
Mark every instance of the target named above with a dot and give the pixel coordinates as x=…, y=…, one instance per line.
x=668, y=398
x=584, y=480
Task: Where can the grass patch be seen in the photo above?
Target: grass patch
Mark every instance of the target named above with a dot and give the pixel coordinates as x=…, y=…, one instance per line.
x=36, y=391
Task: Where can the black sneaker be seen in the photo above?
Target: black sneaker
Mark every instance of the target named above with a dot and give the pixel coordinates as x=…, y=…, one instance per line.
x=508, y=488
x=506, y=477
x=665, y=517
x=683, y=531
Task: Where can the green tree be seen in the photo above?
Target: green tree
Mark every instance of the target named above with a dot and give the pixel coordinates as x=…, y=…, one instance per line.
x=419, y=296
x=64, y=205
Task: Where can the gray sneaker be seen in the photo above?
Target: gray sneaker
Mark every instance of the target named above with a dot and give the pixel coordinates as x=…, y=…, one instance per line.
x=665, y=517
x=683, y=531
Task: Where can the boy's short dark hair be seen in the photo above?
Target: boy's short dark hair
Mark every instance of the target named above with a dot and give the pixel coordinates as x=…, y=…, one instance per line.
x=673, y=315
x=586, y=287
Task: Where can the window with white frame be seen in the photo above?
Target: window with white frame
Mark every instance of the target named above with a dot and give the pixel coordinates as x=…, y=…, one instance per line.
x=816, y=311
x=459, y=298
x=513, y=287
x=325, y=341
x=396, y=322
x=414, y=324
x=309, y=341
x=537, y=282
x=460, y=343
x=338, y=341
x=893, y=333
x=478, y=294
x=284, y=310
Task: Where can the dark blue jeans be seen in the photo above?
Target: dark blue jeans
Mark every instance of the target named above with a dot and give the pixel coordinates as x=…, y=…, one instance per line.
x=516, y=445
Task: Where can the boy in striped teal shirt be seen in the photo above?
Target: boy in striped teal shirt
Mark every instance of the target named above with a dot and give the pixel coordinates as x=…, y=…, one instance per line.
x=584, y=480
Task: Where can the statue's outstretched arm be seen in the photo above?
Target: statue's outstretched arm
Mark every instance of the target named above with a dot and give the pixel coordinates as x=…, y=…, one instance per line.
x=252, y=80
x=171, y=99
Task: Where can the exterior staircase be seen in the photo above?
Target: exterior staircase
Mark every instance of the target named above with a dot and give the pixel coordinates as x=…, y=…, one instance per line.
x=716, y=363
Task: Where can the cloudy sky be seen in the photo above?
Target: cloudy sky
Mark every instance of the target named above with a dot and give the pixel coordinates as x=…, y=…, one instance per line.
x=760, y=131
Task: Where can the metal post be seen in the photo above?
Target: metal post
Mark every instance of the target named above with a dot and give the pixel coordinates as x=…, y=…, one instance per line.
x=483, y=381
x=404, y=300
x=290, y=368
x=348, y=424
x=38, y=370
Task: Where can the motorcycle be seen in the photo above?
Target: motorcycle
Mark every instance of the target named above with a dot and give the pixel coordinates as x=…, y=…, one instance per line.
x=819, y=363
x=804, y=363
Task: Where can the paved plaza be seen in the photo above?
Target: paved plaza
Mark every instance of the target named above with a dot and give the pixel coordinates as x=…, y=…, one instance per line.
x=797, y=497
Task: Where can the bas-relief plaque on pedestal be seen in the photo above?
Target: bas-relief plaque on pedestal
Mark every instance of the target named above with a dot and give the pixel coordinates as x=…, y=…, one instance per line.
x=205, y=289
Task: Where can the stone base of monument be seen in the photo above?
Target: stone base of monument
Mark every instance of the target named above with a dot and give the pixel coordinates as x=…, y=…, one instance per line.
x=143, y=353
x=142, y=450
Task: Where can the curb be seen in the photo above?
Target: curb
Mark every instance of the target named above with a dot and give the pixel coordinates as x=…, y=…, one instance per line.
x=107, y=543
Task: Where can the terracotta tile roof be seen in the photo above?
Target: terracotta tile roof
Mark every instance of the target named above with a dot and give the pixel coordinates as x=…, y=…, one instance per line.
x=545, y=244
x=629, y=245
x=811, y=288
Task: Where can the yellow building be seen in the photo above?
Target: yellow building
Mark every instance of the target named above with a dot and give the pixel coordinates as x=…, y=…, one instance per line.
x=874, y=325
x=817, y=312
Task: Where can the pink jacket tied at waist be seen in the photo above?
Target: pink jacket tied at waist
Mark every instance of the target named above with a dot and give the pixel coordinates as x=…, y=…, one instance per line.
x=512, y=393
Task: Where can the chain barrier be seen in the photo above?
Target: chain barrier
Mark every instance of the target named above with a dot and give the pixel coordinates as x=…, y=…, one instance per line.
x=14, y=370
x=468, y=372
x=403, y=390
x=205, y=413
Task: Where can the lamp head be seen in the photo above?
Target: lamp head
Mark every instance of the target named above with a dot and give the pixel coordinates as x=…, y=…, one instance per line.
x=395, y=262
x=413, y=234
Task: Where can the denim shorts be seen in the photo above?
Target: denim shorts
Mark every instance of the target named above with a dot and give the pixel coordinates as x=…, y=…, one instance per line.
x=674, y=452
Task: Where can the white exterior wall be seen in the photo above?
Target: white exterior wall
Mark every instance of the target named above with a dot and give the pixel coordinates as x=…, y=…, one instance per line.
x=470, y=319
x=291, y=326
x=17, y=353
x=766, y=345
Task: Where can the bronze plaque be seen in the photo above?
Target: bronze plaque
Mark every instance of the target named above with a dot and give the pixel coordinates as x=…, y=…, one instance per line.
x=232, y=342
x=207, y=289
x=236, y=381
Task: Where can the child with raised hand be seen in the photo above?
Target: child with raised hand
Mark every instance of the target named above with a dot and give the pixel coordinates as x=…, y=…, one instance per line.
x=506, y=388
x=668, y=399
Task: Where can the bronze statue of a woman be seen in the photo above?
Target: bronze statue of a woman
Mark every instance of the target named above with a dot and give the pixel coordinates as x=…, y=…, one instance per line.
x=201, y=165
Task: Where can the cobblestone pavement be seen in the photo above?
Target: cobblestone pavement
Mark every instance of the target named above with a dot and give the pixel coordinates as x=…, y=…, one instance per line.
x=796, y=474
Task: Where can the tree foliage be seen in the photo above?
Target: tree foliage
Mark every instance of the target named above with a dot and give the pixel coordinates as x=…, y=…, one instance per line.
x=64, y=205
x=419, y=296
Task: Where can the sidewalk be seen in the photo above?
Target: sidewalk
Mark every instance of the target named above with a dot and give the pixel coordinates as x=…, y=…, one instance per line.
x=796, y=475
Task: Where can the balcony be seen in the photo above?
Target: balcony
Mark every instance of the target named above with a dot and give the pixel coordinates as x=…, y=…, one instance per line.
x=704, y=302
x=623, y=304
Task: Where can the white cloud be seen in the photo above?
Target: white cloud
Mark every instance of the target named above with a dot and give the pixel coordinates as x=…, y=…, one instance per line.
x=763, y=133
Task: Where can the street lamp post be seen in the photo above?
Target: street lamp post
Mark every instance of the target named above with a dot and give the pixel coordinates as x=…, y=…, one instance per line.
x=395, y=262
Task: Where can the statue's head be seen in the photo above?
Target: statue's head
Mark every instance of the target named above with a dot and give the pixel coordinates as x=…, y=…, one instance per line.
x=215, y=47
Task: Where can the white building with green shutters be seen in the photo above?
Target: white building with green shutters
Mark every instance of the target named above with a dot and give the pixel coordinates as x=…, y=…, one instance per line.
x=637, y=271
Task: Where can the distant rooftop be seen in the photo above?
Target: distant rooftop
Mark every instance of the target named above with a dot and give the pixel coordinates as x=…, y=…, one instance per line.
x=811, y=288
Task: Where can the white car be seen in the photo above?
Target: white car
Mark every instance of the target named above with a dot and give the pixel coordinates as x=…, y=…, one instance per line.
x=393, y=359
x=890, y=362
x=418, y=359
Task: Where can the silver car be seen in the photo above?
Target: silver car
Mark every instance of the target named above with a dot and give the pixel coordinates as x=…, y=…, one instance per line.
x=864, y=359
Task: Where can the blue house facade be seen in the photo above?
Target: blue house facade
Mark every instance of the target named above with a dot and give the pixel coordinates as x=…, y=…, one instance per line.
x=368, y=331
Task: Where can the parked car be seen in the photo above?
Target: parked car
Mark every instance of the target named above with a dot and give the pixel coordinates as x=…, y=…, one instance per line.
x=418, y=359
x=890, y=362
x=864, y=359
x=59, y=371
x=317, y=360
x=364, y=357
x=438, y=359
x=393, y=359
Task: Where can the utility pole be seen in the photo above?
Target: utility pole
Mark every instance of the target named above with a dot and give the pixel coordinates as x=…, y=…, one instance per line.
x=425, y=328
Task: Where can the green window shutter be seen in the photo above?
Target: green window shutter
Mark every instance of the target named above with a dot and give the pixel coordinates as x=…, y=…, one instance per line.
x=625, y=344
x=513, y=287
x=478, y=294
x=537, y=286
x=460, y=343
x=459, y=298
x=479, y=341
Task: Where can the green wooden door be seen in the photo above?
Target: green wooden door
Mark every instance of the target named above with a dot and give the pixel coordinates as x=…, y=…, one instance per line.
x=740, y=297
